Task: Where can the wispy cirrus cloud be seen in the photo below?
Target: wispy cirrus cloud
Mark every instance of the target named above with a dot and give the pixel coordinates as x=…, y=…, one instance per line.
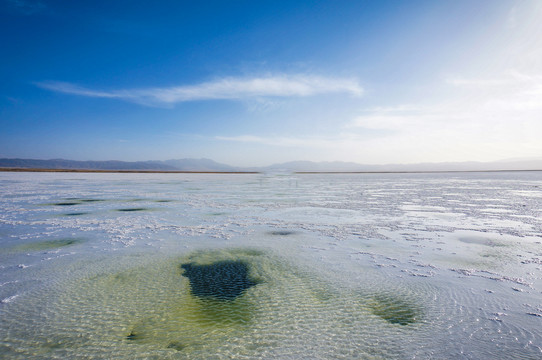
x=230, y=88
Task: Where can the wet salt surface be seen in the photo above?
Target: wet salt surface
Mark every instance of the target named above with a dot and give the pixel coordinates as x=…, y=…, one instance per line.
x=381, y=266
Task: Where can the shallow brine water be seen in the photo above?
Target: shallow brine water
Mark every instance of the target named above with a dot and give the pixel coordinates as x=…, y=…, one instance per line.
x=194, y=266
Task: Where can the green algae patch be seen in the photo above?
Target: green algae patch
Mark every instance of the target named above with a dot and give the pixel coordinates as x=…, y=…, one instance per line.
x=242, y=302
x=222, y=280
x=133, y=209
x=75, y=213
x=185, y=303
x=176, y=346
x=49, y=244
x=74, y=201
x=85, y=200
x=281, y=232
x=394, y=309
x=66, y=203
x=217, y=213
x=132, y=336
x=478, y=240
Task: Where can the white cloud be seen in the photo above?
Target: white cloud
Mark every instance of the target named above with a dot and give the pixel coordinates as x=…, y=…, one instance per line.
x=480, y=119
x=512, y=91
x=483, y=119
x=68, y=88
x=226, y=88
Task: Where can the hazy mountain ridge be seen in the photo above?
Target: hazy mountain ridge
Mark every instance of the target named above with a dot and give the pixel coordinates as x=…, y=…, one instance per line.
x=292, y=166
x=198, y=165
x=168, y=165
x=85, y=165
x=338, y=166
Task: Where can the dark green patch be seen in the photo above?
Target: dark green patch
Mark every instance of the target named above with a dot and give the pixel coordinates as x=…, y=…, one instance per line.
x=163, y=201
x=394, y=310
x=76, y=214
x=222, y=280
x=281, y=232
x=121, y=277
x=67, y=203
x=82, y=200
x=74, y=201
x=133, y=336
x=132, y=209
x=49, y=244
x=53, y=345
x=250, y=252
x=176, y=346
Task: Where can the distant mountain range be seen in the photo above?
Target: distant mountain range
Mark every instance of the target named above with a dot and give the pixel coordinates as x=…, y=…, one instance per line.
x=294, y=166
x=168, y=165
x=338, y=166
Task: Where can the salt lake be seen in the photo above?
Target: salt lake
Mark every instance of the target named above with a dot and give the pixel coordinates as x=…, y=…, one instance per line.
x=271, y=266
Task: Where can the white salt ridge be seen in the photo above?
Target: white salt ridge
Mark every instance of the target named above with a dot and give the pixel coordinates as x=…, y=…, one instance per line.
x=9, y=299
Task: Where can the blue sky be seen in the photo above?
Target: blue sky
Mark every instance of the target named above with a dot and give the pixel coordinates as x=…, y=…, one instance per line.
x=260, y=82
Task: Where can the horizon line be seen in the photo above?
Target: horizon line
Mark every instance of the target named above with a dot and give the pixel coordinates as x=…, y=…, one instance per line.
x=12, y=169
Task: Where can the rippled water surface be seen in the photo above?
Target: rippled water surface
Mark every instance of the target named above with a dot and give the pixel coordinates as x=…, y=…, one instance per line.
x=195, y=266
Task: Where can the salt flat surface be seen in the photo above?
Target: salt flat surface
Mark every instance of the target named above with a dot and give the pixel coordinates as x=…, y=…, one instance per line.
x=371, y=266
